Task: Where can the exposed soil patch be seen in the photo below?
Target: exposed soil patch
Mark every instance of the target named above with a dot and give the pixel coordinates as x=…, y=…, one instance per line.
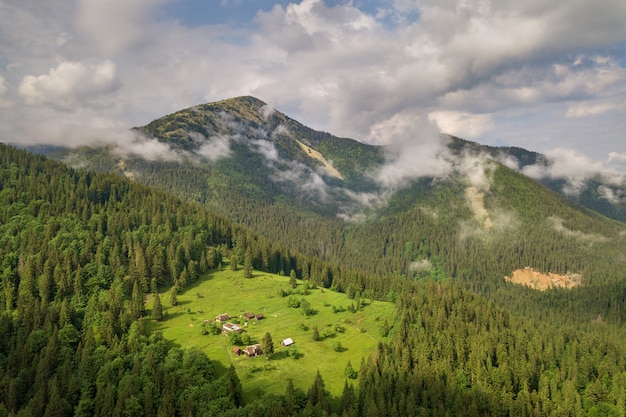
x=533, y=279
x=476, y=200
x=318, y=156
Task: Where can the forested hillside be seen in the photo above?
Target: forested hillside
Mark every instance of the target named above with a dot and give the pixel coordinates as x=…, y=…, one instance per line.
x=80, y=251
x=477, y=224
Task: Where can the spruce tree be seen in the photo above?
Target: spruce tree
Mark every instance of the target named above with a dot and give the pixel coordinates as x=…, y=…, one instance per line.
x=267, y=345
x=157, y=308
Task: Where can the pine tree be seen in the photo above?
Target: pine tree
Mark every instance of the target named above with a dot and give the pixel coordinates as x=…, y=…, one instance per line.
x=292, y=279
x=247, y=264
x=317, y=396
x=267, y=345
x=316, y=334
x=157, y=308
x=174, y=295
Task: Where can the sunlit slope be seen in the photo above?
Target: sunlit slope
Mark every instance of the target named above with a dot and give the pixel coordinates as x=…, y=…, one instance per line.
x=321, y=195
x=349, y=329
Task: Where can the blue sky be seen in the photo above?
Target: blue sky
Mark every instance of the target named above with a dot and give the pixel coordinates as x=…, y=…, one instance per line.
x=547, y=76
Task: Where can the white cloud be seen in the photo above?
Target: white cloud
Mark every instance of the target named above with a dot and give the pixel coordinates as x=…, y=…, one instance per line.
x=615, y=196
x=215, y=148
x=538, y=74
x=115, y=25
x=415, y=150
x=133, y=144
x=4, y=102
x=617, y=157
x=69, y=83
x=461, y=124
x=572, y=166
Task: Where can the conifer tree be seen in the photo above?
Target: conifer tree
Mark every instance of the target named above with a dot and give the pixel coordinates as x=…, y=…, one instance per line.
x=267, y=345
x=317, y=396
x=292, y=279
x=157, y=308
x=174, y=295
x=247, y=264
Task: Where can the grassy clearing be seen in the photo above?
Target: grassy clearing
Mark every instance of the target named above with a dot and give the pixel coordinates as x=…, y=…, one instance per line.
x=227, y=291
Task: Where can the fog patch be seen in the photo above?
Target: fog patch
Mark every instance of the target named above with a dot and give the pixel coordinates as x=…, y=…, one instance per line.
x=215, y=148
x=420, y=266
x=144, y=147
x=309, y=182
x=573, y=167
x=557, y=224
x=614, y=196
x=415, y=149
x=500, y=221
x=266, y=111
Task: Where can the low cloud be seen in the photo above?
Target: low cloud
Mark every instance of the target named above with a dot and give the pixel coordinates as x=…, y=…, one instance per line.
x=266, y=111
x=557, y=224
x=215, y=148
x=420, y=266
x=4, y=102
x=612, y=195
x=137, y=145
x=573, y=167
x=414, y=149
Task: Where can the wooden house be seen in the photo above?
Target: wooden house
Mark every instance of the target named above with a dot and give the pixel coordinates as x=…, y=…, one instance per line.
x=222, y=317
x=230, y=327
x=253, y=350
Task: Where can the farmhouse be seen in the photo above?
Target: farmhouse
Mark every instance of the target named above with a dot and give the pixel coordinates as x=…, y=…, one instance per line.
x=222, y=317
x=230, y=327
x=259, y=317
x=253, y=350
x=249, y=316
x=287, y=342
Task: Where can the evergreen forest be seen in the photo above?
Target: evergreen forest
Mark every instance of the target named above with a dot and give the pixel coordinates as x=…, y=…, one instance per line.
x=81, y=252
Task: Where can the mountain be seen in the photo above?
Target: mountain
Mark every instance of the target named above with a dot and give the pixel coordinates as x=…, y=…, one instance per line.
x=601, y=192
x=81, y=252
x=446, y=209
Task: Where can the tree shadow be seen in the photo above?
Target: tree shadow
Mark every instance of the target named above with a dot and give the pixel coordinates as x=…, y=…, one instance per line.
x=283, y=354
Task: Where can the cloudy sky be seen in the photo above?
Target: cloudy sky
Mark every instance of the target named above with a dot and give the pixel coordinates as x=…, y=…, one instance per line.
x=544, y=75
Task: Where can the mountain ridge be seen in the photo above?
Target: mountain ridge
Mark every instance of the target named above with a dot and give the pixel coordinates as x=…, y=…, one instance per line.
x=245, y=160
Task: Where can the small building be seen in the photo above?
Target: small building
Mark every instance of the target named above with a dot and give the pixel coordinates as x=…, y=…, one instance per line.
x=237, y=351
x=249, y=316
x=253, y=350
x=230, y=327
x=287, y=342
x=259, y=317
x=222, y=317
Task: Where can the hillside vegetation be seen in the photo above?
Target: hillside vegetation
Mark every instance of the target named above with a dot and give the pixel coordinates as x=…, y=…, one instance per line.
x=348, y=329
x=90, y=263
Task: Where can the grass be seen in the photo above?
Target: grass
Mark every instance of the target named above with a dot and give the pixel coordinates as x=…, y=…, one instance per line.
x=227, y=291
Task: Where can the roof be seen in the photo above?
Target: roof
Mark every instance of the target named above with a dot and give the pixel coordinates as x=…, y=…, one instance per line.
x=288, y=341
x=253, y=349
x=231, y=327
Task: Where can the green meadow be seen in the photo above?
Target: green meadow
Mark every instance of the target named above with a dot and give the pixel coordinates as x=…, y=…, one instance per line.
x=344, y=335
